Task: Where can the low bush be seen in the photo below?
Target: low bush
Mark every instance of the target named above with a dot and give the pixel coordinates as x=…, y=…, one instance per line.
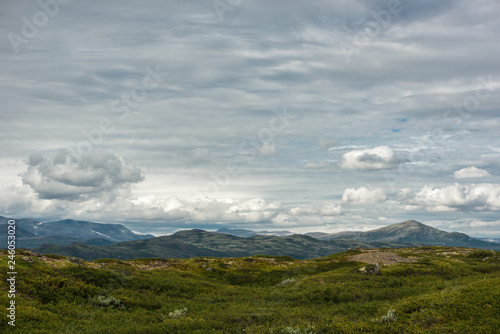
x=446, y=293
x=107, y=301
x=480, y=254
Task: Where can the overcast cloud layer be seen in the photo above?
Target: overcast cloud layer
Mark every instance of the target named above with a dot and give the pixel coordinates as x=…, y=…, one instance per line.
x=304, y=116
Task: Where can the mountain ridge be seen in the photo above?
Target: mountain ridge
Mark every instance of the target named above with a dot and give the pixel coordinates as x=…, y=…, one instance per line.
x=93, y=240
x=411, y=231
x=198, y=242
x=241, y=232
x=31, y=233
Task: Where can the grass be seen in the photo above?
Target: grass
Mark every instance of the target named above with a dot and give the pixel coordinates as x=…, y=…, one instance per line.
x=447, y=290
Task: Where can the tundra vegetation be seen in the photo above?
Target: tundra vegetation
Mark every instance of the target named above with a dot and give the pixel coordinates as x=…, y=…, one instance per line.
x=438, y=290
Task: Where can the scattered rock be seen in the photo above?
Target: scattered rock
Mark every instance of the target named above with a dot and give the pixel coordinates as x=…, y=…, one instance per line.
x=486, y=258
x=209, y=269
x=380, y=257
x=27, y=259
x=75, y=260
x=29, y=253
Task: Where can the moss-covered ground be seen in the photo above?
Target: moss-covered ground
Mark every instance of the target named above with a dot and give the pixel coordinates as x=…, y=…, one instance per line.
x=444, y=290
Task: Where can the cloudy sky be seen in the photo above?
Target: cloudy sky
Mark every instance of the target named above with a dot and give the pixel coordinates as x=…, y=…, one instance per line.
x=269, y=115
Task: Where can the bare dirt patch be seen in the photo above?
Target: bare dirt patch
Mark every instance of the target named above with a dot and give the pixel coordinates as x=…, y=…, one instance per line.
x=380, y=258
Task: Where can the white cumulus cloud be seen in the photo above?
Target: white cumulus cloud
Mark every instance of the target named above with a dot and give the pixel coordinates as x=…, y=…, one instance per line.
x=320, y=209
x=484, y=196
x=363, y=196
x=471, y=172
x=381, y=157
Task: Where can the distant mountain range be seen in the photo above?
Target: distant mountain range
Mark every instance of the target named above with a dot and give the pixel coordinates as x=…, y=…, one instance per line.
x=197, y=243
x=32, y=233
x=91, y=241
x=409, y=231
x=240, y=232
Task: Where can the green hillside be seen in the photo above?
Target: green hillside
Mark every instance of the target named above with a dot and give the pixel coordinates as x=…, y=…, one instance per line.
x=195, y=243
x=419, y=290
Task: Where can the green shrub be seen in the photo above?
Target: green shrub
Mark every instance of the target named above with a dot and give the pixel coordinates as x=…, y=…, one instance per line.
x=56, y=289
x=449, y=293
x=480, y=254
x=103, y=278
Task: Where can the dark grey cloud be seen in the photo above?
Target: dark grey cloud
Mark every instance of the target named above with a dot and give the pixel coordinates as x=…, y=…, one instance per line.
x=62, y=176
